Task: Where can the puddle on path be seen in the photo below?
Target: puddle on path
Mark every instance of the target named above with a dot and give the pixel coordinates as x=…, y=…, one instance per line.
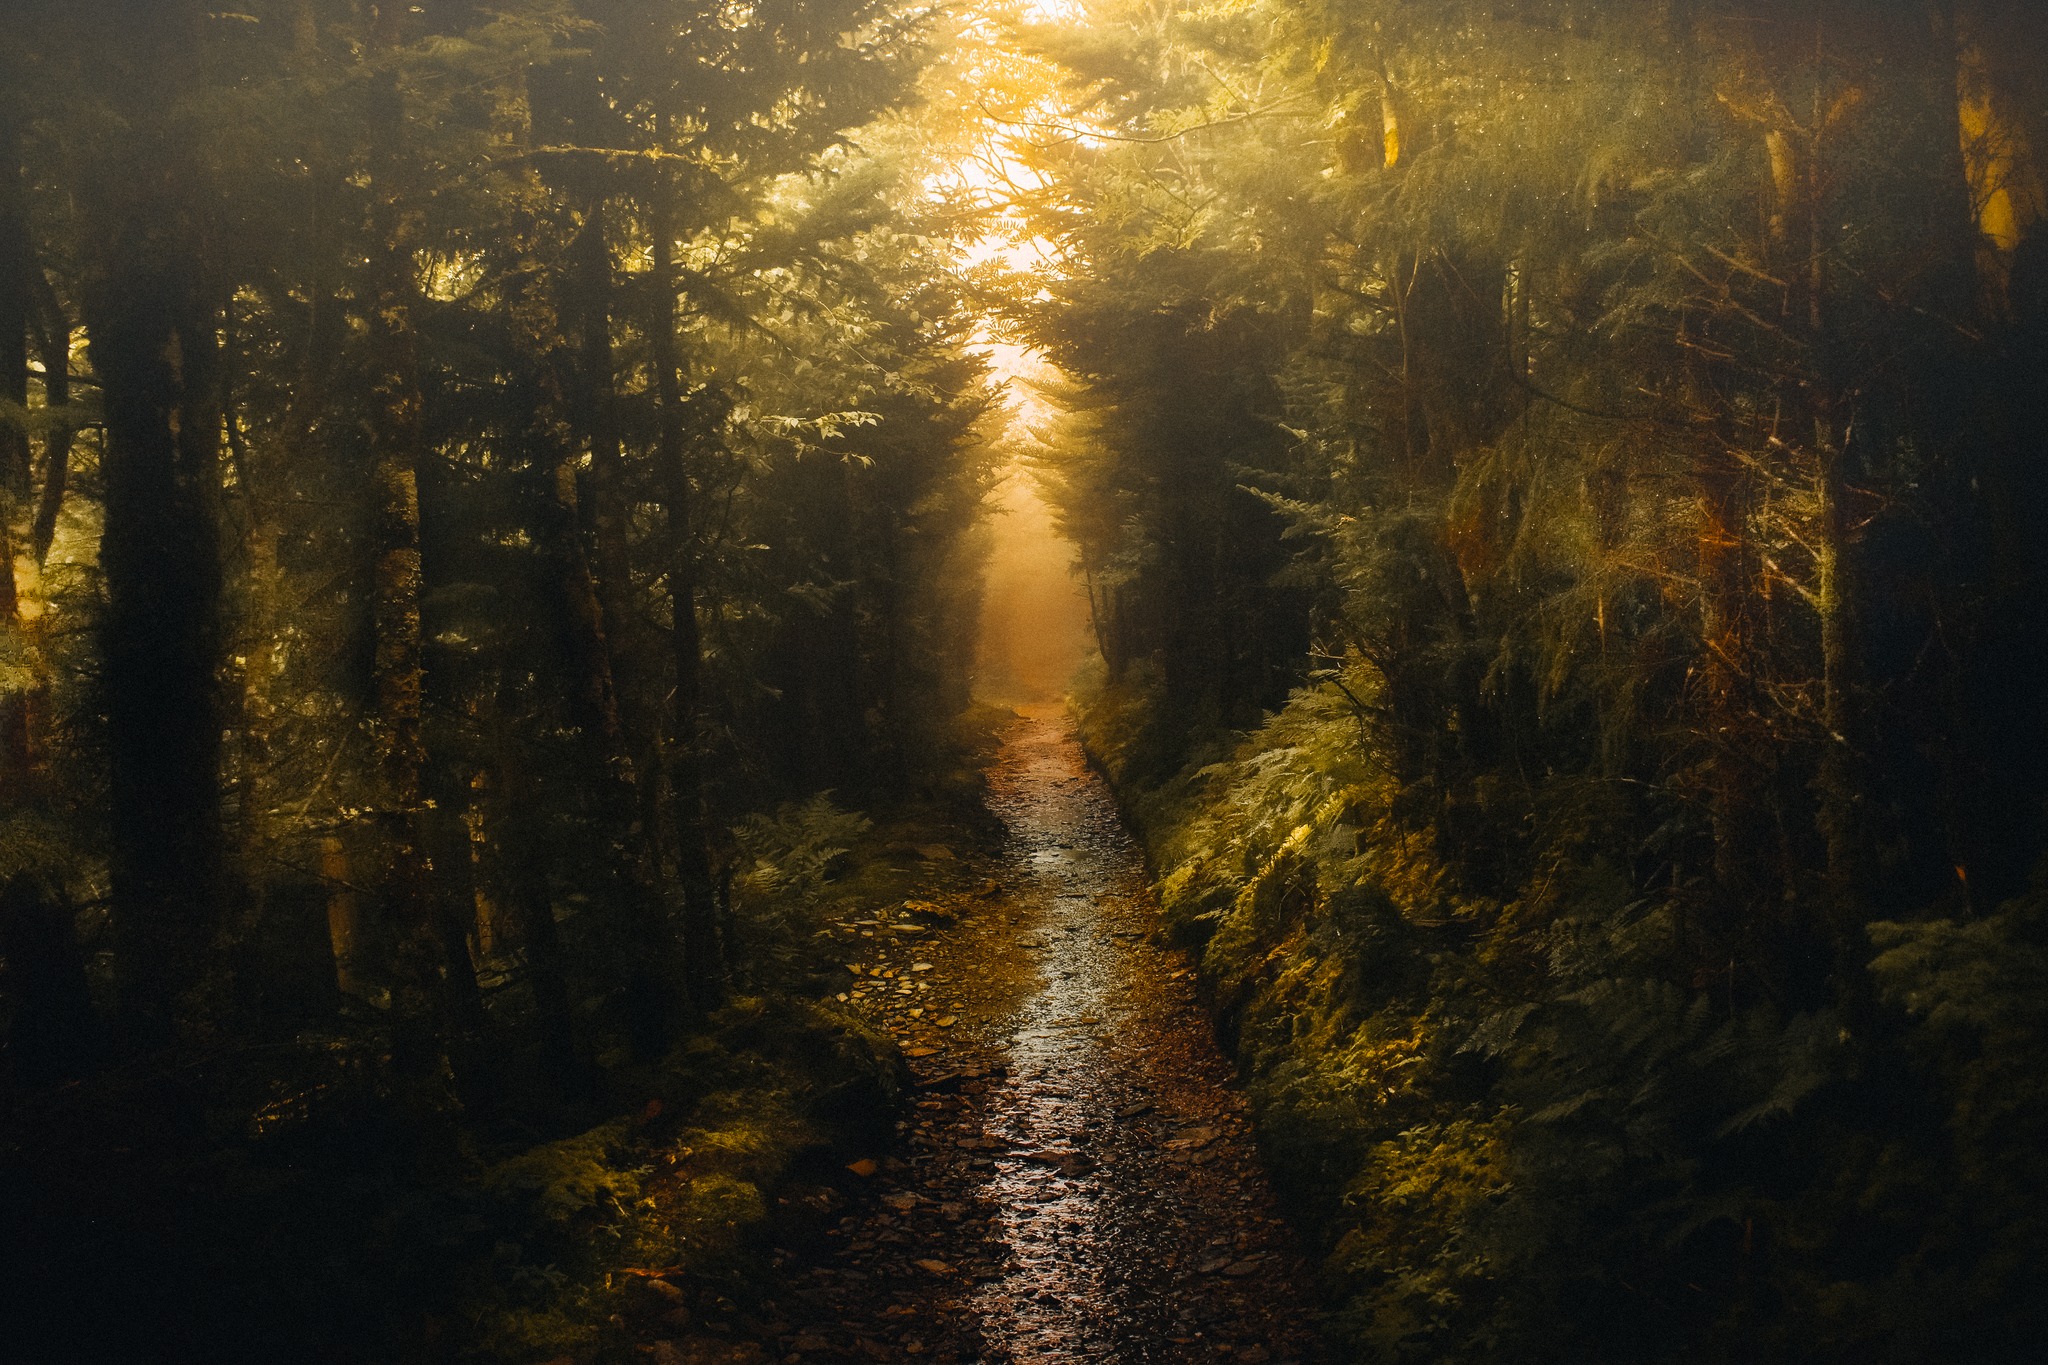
x=1079, y=1183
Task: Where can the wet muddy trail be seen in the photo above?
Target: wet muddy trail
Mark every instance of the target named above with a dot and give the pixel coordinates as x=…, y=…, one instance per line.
x=1077, y=1182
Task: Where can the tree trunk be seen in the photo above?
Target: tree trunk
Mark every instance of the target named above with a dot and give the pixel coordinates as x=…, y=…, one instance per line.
x=435, y=974
x=509, y=805
x=152, y=348
x=607, y=512
x=1728, y=710
x=633, y=873
x=153, y=326
x=54, y=333
x=1839, y=781
x=1839, y=787
x=702, y=959
x=344, y=918
x=576, y=406
x=2000, y=164
x=607, y=506
x=17, y=260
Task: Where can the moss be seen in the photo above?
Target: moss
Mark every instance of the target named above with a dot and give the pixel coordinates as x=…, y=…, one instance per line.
x=687, y=1187
x=569, y=1179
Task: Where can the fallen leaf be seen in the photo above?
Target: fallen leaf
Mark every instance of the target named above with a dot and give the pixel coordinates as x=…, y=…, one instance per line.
x=934, y=1267
x=863, y=1168
x=947, y=1022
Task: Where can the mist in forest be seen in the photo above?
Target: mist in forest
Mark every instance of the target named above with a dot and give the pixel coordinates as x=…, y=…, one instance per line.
x=1034, y=618
x=507, y=512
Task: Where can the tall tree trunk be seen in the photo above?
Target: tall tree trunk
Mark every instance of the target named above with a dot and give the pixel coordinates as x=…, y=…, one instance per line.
x=53, y=331
x=153, y=328
x=577, y=382
x=153, y=351
x=1728, y=710
x=649, y=965
x=2000, y=164
x=436, y=976
x=17, y=261
x=607, y=506
x=510, y=800
x=591, y=291
x=344, y=916
x=1839, y=781
x=702, y=956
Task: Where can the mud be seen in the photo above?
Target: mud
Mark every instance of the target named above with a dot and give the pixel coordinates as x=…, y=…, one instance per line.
x=1078, y=1182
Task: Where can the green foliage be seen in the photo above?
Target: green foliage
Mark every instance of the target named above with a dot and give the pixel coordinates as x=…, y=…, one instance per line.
x=687, y=1188
x=570, y=1179
x=1588, y=413
x=787, y=859
x=794, y=851
x=579, y=444
x=1526, y=1128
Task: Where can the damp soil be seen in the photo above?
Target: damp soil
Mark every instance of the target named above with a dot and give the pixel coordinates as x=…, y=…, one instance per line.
x=1076, y=1180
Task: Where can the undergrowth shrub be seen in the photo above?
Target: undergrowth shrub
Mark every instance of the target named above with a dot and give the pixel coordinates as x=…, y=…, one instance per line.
x=1532, y=1126
x=687, y=1188
x=785, y=861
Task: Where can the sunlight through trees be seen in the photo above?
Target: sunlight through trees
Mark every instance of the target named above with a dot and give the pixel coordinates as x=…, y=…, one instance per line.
x=1547, y=491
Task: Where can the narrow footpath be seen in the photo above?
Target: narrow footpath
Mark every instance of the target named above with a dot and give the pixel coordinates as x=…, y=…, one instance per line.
x=1078, y=1181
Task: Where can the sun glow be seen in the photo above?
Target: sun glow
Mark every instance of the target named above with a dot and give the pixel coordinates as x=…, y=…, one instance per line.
x=1035, y=619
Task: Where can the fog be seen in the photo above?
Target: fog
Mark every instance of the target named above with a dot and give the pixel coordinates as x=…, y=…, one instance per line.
x=1034, y=624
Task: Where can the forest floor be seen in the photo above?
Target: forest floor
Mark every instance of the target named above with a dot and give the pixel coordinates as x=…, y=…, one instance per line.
x=1077, y=1179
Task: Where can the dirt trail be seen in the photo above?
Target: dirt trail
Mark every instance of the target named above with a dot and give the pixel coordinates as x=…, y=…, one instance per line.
x=1078, y=1182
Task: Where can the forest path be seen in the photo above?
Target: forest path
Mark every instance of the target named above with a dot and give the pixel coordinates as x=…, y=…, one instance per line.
x=1078, y=1182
